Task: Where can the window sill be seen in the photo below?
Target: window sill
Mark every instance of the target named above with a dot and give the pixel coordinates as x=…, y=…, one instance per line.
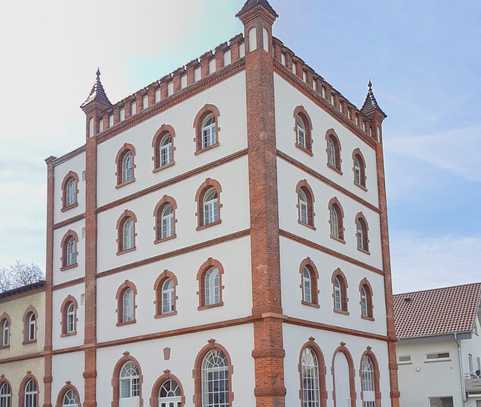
x=122, y=252
x=338, y=240
x=163, y=167
x=67, y=208
x=335, y=169
x=441, y=360
x=304, y=149
x=29, y=342
x=361, y=187
x=120, y=324
x=65, y=268
x=364, y=251
x=203, y=150
x=124, y=184
x=159, y=241
x=404, y=363
x=206, y=307
x=346, y=313
x=368, y=318
x=202, y=227
x=69, y=334
x=165, y=315
x=310, y=304
x=312, y=227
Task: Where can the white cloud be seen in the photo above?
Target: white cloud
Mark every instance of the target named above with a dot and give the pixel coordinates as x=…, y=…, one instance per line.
x=420, y=262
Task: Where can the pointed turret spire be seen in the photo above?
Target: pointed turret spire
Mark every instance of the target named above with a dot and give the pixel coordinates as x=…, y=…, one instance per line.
x=97, y=97
x=254, y=4
x=371, y=106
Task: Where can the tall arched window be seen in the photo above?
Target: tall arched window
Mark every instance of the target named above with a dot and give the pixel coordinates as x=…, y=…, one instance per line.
x=165, y=219
x=369, y=381
x=129, y=381
x=208, y=202
x=303, y=128
x=69, y=191
x=336, y=220
x=125, y=165
x=359, y=168
x=4, y=332
x=163, y=145
x=69, y=316
x=343, y=375
x=210, y=284
x=333, y=151
x=126, y=303
x=5, y=394
x=207, y=128
x=215, y=380
x=311, y=396
x=305, y=204
x=362, y=236
x=365, y=292
x=339, y=294
x=126, y=232
x=165, y=293
x=309, y=277
x=30, y=326
x=30, y=393
x=69, y=250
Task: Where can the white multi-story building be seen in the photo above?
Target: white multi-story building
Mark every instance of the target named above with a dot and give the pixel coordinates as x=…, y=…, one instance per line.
x=439, y=349
x=221, y=240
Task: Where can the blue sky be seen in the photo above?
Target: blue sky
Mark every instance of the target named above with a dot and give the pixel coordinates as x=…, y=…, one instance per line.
x=423, y=57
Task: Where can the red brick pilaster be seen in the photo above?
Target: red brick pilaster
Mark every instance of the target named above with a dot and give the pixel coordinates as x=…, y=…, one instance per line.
x=266, y=290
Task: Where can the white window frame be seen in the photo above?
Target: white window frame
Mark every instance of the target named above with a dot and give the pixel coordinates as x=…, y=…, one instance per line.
x=311, y=395
x=368, y=382
x=210, y=206
x=30, y=394
x=129, y=381
x=128, y=307
x=209, y=131
x=167, y=222
x=212, y=287
x=70, y=318
x=127, y=167
x=214, y=372
x=5, y=333
x=307, y=285
x=165, y=150
x=5, y=395
x=168, y=296
x=128, y=234
x=172, y=395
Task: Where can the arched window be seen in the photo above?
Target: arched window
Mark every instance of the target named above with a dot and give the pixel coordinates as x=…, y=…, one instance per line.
x=170, y=394
x=30, y=326
x=69, y=316
x=215, y=380
x=69, y=191
x=365, y=292
x=5, y=394
x=125, y=165
x=336, y=221
x=359, y=168
x=369, y=380
x=339, y=292
x=126, y=303
x=68, y=397
x=208, y=202
x=362, y=236
x=126, y=232
x=310, y=390
x=30, y=393
x=305, y=204
x=207, y=128
x=164, y=147
x=4, y=332
x=303, y=128
x=129, y=381
x=165, y=293
x=344, y=380
x=309, y=277
x=168, y=300
x=165, y=219
x=333, y=151
x=69, y=250
x=210, y=284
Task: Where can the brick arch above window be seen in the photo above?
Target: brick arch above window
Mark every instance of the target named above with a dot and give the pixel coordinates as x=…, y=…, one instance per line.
x=338, y=275
x=300, y=113
x=199, y=198
x=166, y=200
x=70, y=177
x=21, y=391
x=63, y=312
x=197, y=373
x=167, y=375
x=198, y=121
x=209, y=264
x=164, y=130
x=64, y=261
x=309, y=264
x=360, y=179
x=368, y=353
x=337, y=231
x=314, y=347
x=366, y=286
x=26, y=319
x=166, y=275
x=307, y=190
x=121, y=181
x=127, y=214
x=342, y=349
x=116, y=378
x=334, y=159
x=362, y=233
x=68, y=387
x=119, y=298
